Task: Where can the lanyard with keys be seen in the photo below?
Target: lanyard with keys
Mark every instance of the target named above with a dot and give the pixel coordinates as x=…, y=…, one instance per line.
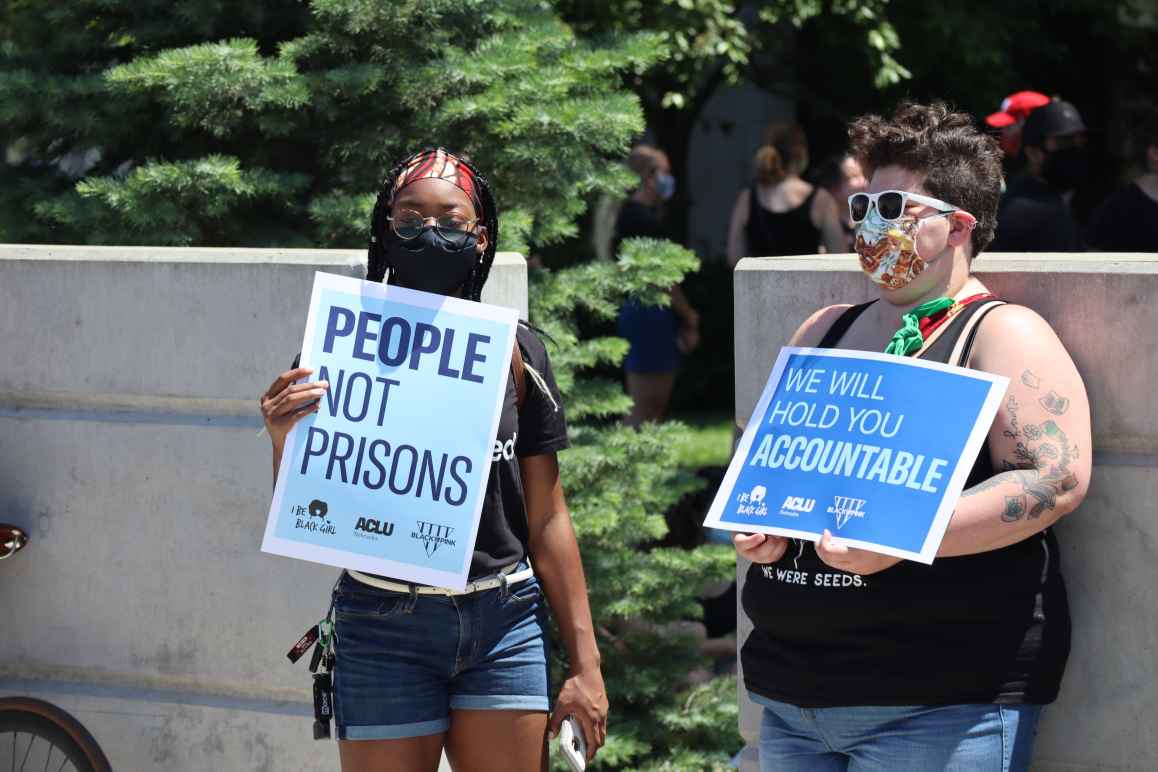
x=321, y=634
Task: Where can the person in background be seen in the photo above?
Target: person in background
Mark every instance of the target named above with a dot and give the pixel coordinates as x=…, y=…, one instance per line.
x=1035, y=214
x=658, y=336
x=1128, y=220
x=841, y=176
x=781, y=214
x=1010, y=120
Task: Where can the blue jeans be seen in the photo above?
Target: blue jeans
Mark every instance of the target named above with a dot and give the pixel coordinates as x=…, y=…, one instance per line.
x=403, y=662
x=953, y=738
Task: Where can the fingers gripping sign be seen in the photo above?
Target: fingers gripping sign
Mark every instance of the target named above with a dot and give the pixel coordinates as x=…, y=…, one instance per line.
x=286, y=401
x=760, y=547
x=838, y=555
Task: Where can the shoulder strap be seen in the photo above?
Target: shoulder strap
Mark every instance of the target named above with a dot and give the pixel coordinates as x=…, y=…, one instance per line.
x=841, y=325
x=964, y=345
x=519, y=370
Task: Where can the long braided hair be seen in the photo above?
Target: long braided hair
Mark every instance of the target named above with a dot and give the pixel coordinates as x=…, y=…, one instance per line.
x=378, y=267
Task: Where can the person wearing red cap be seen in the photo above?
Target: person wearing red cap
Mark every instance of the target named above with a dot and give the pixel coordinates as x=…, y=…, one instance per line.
x=1015, y=108
x=1035, y=213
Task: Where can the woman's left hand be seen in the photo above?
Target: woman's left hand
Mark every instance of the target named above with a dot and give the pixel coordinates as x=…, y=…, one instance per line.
x=584, y=698
x=851, y=559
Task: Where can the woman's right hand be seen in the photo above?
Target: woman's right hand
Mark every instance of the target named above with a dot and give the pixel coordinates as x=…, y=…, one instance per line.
x=760, y=547
x=284, y=402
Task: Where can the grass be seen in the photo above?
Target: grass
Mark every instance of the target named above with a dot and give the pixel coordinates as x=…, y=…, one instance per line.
x=709, y=441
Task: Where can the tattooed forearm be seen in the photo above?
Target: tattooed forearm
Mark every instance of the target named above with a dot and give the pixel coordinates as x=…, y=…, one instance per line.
x=1039, y=491
x=1040, y=466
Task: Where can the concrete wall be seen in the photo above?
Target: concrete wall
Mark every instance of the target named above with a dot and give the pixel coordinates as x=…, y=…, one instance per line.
x=129, y=450
x=1102, y=307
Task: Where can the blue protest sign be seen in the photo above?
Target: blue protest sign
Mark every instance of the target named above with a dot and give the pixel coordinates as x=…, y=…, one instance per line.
x=389, y=476
x=876, y=448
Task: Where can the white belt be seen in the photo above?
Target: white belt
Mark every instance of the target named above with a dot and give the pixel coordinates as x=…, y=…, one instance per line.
x=507, y=575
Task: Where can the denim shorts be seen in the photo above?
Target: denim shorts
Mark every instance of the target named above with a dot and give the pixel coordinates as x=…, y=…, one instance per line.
x=953, y=738
x=403, y=662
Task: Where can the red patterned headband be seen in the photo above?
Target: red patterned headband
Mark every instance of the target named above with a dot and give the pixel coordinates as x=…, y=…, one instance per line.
x=441, y=165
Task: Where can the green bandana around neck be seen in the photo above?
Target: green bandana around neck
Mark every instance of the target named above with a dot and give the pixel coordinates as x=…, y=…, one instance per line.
x=909, y=339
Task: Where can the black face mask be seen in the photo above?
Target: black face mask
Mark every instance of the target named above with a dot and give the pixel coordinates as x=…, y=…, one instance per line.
x=1066, y=169
x=430, y=263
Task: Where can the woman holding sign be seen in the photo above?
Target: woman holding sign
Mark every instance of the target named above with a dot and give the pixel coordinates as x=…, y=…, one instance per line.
x=863, y=661
x=421, y=669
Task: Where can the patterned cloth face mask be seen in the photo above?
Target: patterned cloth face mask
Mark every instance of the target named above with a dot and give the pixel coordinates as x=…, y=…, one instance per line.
x=886, y=241
x=888, y=250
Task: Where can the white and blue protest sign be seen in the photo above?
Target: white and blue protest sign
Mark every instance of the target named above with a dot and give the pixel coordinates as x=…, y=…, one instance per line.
x=390, y=474
x=873, y=447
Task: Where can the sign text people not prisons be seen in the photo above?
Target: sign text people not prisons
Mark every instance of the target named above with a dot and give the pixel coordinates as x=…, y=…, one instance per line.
x=400, y=448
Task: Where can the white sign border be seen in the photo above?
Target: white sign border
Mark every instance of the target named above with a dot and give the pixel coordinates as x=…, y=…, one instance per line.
x=275, y=545
x=998, y=385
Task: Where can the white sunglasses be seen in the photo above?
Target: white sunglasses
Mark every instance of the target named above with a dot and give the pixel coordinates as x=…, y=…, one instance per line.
x=891, y=205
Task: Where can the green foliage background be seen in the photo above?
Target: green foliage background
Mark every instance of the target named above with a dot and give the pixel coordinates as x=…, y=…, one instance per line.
x=261, y=123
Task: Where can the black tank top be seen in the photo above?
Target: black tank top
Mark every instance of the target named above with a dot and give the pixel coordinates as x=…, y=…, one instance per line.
x=987, y=628
x=781, y=233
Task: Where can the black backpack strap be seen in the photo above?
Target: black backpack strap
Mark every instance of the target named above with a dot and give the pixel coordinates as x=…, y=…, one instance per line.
x=841, y=325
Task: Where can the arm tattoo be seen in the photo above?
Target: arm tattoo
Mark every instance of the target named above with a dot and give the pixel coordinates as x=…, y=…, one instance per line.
x=1040, y=466
x=1054, y=404
x=1030, y=380
x=1014, y=508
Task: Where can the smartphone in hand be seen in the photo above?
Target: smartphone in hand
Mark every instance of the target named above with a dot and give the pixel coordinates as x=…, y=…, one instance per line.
x=573, y=745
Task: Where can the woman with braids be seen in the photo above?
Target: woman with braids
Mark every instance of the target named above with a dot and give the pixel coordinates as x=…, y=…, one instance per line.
x=870, y=663
x=422, y=669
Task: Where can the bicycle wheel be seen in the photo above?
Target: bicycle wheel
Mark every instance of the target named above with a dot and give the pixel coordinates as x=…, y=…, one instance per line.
x=37, y=735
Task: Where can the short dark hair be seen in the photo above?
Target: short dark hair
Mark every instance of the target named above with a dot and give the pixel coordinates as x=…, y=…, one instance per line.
x=377, y=261
x=961, y=164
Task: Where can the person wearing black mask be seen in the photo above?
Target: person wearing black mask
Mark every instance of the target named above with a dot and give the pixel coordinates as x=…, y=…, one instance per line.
x=1035, y=213
x=421, y=669
x=1127, y=221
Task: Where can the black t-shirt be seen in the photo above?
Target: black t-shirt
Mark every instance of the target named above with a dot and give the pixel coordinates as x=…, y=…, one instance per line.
x=1033, y=217
x=1126, y=222
x=540, y=427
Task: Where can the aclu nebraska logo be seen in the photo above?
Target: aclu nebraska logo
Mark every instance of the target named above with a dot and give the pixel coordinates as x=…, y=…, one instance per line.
x=313, y=518
x=845, y=508
x=795, y=506
x=432, y=535
x=369, y=528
